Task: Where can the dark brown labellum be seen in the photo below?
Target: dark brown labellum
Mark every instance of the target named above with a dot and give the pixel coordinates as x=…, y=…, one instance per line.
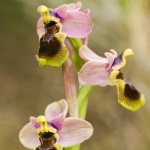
x=49, y=44
x=49, y=49
x=131, y=92
x=47, y=141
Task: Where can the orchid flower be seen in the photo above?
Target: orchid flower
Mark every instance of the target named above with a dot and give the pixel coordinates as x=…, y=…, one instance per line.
x=54, y=131
x=52, y=28
x=104, y=71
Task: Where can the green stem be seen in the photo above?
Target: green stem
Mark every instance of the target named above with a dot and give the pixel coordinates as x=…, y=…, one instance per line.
x=76, y=44
x=83, y=94
x=83, y=109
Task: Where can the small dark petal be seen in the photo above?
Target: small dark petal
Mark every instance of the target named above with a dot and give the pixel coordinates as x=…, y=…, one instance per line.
x=118, y=59
x=49, y=49
x=131, y=92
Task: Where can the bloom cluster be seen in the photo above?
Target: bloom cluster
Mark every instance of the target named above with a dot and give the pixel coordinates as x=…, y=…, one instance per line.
x=63, y=36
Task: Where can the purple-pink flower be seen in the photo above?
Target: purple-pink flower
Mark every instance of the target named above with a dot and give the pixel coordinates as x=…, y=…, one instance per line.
x=75, y=23
x=104, y=71
x=52, y=28
x=54, y=130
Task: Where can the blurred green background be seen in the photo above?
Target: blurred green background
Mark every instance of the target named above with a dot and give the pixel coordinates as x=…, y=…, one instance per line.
x=26, y=89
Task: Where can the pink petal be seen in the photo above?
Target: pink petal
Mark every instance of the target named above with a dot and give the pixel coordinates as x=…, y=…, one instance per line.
x=61, y=11
x=77, y=24
x=58, y=121
x=93, y=73
x=70, y=88
x=75, y=6
x=86, y=54
x=55, y=113
x=111, y=57
x=87, y=11
x=34, y=122
x=74, y=131
x=40, y=27
x=86, y=39
x=28, y=136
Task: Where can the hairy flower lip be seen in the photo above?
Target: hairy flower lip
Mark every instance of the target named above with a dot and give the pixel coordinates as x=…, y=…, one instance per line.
x=53, y=52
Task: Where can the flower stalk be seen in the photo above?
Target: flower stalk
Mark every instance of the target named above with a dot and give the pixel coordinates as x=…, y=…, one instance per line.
x=70, y=88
